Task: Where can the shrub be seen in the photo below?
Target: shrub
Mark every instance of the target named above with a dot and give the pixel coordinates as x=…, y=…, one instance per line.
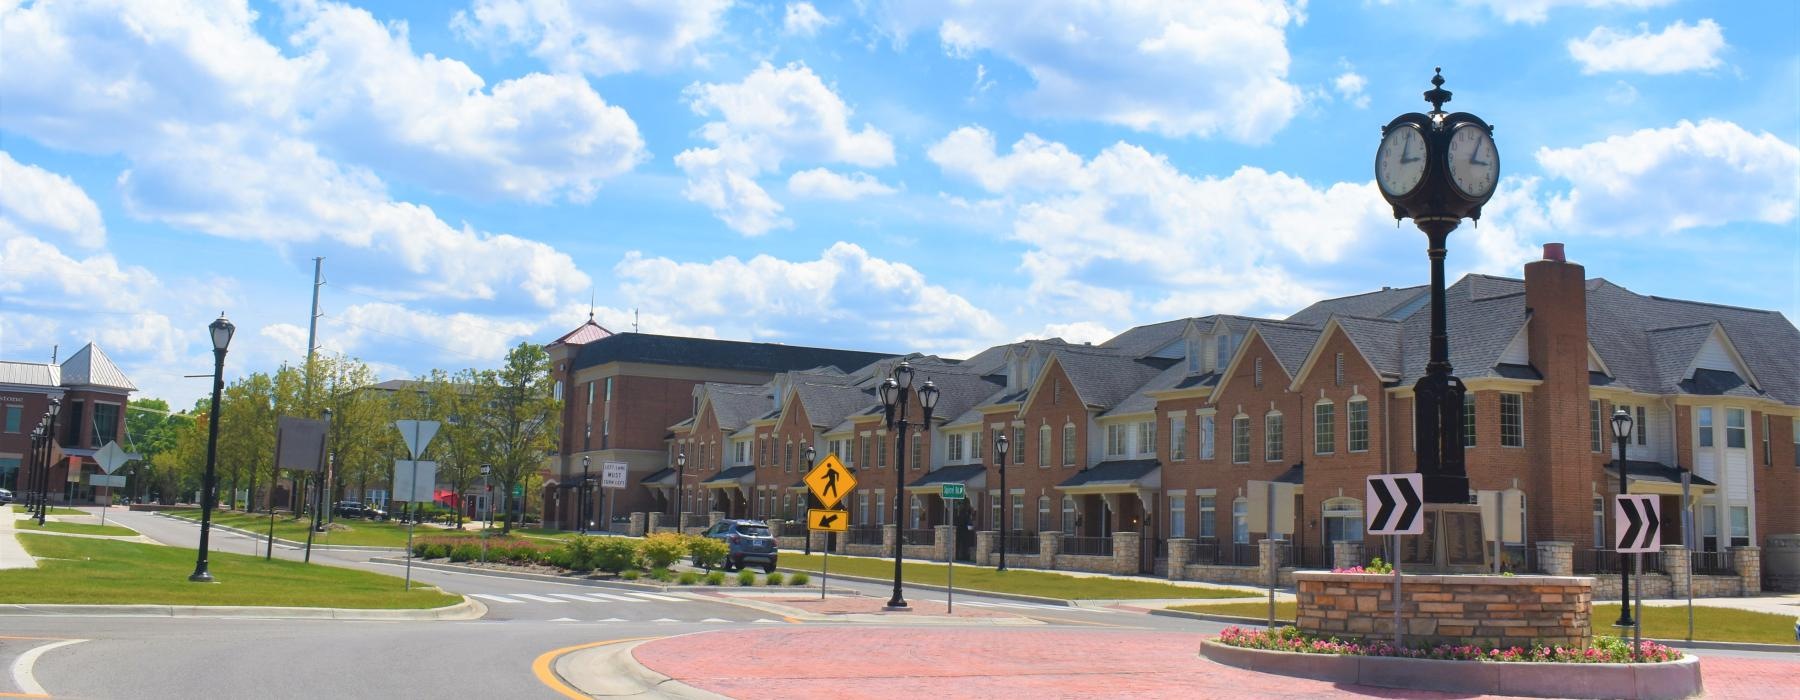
x=689, y=578
x=580, y=552
x=1291, y=639
x=663, y=549
x=746, y=578
x=464, y=552
x=715, y=578
x=662, y=575
x=630, y=574
x=1377, y=566
x=419, y=548
x=707, y=552
x=774, y=578
x=437, y=551
x=799, y=579
x=616, y=554
x=558, y=558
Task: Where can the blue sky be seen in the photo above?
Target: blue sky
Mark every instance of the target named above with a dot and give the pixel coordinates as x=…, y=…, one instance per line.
x=931, y=176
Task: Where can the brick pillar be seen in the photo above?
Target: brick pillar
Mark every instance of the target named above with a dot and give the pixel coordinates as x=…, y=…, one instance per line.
x=1346, y=554
x=636, y=528
x=984, y=547
x=775, y=526
x=821, y=540
x=1181, y=551
x=657, y=521
x=1268, y=558
x=944, y=536
x=713, y=518
x=1556, y=558
x=1748, y=562
x=1680, y=568
x=1128, y=552
x=691, y=520
x=890, y=534
x=1049, y=545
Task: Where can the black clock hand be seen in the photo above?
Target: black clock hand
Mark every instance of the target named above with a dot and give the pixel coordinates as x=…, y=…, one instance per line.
x=1408, y=152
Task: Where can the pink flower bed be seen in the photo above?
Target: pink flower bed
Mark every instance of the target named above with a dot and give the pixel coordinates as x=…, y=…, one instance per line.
x=1604, y=650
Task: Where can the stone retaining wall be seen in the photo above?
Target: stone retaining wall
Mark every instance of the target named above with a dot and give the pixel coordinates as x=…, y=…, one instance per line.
x=1455, y=609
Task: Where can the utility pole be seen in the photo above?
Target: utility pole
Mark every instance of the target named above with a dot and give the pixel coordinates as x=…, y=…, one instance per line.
x=312, y=345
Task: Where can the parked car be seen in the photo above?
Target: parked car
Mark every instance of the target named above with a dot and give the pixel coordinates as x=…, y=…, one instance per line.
x=5, y=497
x=749, y=542
x=356, y=509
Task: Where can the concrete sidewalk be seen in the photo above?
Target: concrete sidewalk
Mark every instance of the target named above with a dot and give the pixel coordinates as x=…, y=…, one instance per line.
x=1787, y=604
x=868, y=662
x=12, y=554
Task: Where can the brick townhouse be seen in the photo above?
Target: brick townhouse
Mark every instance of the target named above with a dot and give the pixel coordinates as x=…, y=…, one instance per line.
x=620, y=393
x=1156, y=431
x=94, y=394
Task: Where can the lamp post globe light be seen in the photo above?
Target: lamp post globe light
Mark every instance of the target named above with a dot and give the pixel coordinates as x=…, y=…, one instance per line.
x=221, y=330
x=812, y=455
x=1621, y=428
x=895, y=391
x=680, y=483
x=46, y=445
x=1005, y=500
x=1437, y=169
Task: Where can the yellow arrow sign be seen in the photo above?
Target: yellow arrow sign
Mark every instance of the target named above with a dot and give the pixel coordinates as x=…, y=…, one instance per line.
x=827, y=520
x=830, y=482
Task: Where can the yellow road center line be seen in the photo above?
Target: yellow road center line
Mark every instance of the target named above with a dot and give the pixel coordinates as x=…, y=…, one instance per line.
x=21, y=695
x=544, y=666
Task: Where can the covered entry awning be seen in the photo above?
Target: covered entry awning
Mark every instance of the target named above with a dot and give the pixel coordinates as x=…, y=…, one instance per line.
x=973, y=477
x=1295, y=475
x=1118, y=476
x=660, y=480
x=1657, y=478
x=733, y=478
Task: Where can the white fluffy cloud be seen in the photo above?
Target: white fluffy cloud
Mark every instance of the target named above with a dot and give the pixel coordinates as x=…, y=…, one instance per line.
x=1536, y=11
x=1179, y=69
x=771, y=117
x=225, y=135
x=1350, y=85
x=1127, y=223
x=35, y=201
x=802, y=19
x=596, y=38
x=825, y=184
x=464, y=337
x=845, y=298
x=1657, y=181
x=1678, y=48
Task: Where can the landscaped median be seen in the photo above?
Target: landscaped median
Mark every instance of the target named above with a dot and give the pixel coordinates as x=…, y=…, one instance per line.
x=1608, y=668
x=1711, y=624
x=601, y=558
x=342, y=533
x=1040, y=584
x=75, y=528
x=86, y=571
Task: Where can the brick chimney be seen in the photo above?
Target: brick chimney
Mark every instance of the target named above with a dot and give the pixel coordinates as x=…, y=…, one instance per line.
x=1556, y=412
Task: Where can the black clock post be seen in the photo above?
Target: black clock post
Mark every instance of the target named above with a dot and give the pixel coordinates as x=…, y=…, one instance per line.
x=1438, y=169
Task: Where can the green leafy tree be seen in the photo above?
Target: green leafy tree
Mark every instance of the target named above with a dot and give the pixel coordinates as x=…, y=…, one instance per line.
x=247, y=434
x=521, y=421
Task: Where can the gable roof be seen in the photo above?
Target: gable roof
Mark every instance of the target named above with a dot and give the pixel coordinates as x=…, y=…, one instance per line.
x=1101, y=377
x=735, y=405
x=717, y=354
x=90, y=367
x=1649, y=342
x=583, y=334
x=30, y=373
x=1480, y=328
x=1389, y=303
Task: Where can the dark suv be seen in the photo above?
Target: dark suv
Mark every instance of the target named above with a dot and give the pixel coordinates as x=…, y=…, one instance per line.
x=357, y=509
x=749, y=542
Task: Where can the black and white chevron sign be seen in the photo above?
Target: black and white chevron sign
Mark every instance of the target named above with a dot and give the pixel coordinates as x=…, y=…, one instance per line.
x=1394, y=504
x=1637, y=524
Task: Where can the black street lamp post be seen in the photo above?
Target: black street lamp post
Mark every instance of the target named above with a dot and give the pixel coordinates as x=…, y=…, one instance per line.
x=680, y=482
x=221, y=330
x=812, y=454
x=1621, y=428
x=1005, y=500
x=1438, y=168
x=46, y=445
x=895, y=391
x=34, y=489
x=581, y=511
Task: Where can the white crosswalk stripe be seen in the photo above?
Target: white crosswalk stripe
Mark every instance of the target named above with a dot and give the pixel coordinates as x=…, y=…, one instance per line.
x=587, y=597
x=495, y=598
x=538, y=598
x=654, y=596
x=615, y=598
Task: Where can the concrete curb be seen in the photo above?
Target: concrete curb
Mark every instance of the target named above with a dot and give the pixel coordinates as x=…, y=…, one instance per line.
x=1727, y=646
x=1211, y=617
x=1674, y=680
x=264, y=537
x=524, y=576
x=468, y=609
x=940, y=589
x=611, y=671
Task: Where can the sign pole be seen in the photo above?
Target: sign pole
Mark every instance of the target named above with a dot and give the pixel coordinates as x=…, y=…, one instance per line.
x=1637, y=623
x=411, y=497
x=950, y=564
x=485, y=498
x=1687, y=537
x=1394, y=551
x=1274, y=571
x=825, y=566
x=1499, y=526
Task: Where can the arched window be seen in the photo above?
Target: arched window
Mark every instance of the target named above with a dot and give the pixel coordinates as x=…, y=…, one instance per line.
x=1068, y=515
x=1357, y=410
x=1043, y=445
x=1273, y=436
x=1240, y=521
x=1324, y=427
x=1043, y=513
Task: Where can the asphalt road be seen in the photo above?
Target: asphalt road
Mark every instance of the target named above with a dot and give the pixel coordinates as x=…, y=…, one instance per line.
x=139, y=657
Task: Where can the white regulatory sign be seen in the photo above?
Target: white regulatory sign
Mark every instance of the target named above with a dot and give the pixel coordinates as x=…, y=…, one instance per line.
x=612, y=475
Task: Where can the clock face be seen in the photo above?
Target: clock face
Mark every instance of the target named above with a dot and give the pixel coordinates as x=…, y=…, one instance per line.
x=1400, y=162
x=1474, y=163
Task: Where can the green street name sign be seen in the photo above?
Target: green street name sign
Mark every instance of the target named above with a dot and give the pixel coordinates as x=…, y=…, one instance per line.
x=518, y=490
x=953, y=491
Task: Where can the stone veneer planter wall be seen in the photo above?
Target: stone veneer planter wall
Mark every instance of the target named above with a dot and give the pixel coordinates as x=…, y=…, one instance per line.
x=1457, y=609
x=1671, y=680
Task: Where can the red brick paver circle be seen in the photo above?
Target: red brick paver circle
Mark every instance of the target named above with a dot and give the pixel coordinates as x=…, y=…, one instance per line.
x=1036, y=663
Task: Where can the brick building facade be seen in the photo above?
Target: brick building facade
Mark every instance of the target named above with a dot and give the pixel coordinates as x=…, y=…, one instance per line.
x=94, y=394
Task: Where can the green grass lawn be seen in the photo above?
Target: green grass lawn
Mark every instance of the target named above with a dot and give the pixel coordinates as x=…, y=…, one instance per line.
x=74, y=570
x=1713, y=624
x=1258, y=610
x=1023, y=582
x=76, y=528
x=366, y=533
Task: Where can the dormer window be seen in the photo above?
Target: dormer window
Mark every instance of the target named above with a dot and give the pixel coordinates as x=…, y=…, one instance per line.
x=1193, y=355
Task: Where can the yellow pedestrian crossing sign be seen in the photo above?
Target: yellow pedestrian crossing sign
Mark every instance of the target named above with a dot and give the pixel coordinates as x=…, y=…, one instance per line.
x=827, y=520
x=830, y=482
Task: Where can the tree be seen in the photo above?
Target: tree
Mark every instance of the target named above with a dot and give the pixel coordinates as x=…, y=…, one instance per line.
x=246, y=433
x=521, y=420
x=150, y=429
